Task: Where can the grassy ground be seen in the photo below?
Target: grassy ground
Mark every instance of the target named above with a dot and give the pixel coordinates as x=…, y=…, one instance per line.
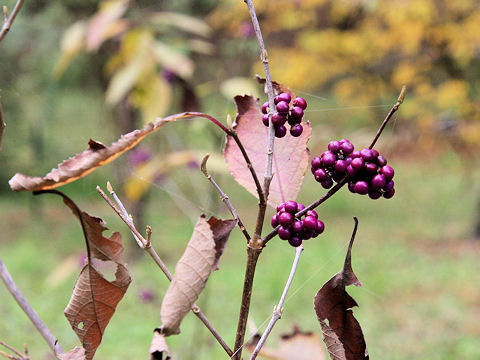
x=419, y=268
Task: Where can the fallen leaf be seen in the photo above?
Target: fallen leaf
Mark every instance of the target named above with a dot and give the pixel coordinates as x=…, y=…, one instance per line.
x=87, y=161
x=75, y=354
x=298, y=345
x=159, y=347
x=342, y=333
x=94, y=299
x=200, y=258
x=290, y=159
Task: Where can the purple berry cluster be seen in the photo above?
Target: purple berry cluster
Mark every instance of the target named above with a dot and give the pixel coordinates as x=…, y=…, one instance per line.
x=284, y=114
x=293, y=229
x=369, y=173
x=332, y=164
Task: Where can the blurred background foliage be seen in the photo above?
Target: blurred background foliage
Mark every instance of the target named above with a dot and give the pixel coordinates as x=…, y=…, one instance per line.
x=73, y=70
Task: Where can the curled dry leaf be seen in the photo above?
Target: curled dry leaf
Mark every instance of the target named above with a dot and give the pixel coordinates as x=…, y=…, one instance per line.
x=342, y=333
x=200, y=258
x=299, y=346
x=87, y=161
x=290, y=158
x=75, y=354
x=159, y=347
x=94, y=299
x=277, y=87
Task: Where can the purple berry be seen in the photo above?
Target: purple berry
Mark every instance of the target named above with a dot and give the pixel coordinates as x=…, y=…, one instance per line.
x=375, y=153
x=355, y=154
x=300, y=207
x=283, y=97
x=295, y=241
x=265, y=107
x=389, y=185
x=327, y=183
x=357, y=163
x=316, y=162
x=312, y=213
x=371, y=167
x=381, y=161
x=347, y=147
x=307, y=234
x=320, y=227
x=334, y=146
x=285, y=219
x=320, y=175
x=389, y=194
x=328, y=159
x=351, y=186
x=296, y=130
x=337, y=177
x=351, y=171
x=282, y=107
x=378, y=181
x=281, y=207
x=280, y=131
x=274, y=221
x=388, y=172
x=265, y=119
x=348, y=160
x=296, y=113
x=278, y=119
x=297, y=227
x=367, y=154
x=374, y=194
x=341, y=166
x=291, y=207
x=301, y=102
x=283, y=233
x=361, y=187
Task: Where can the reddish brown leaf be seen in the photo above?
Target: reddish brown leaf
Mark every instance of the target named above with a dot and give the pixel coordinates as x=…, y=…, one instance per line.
x=193, y=269
x=298, y=345
x=87, y=161
x=277, y=87
x=94, y=299
x=342, y=333
x=159, y=347
x=290, y=159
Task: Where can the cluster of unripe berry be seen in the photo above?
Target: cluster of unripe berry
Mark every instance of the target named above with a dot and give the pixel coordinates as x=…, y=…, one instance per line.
x=367, y=170
x=293, y=229
x=284, y=114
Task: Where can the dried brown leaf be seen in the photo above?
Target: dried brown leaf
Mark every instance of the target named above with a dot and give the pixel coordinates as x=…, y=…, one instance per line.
x=159, y=347
x=94, y=299
x=342, y=333
x=277, y=87
x=193, y=269
x=298, y=345
x=87, y=161
x=290, y=159
x=75, y=354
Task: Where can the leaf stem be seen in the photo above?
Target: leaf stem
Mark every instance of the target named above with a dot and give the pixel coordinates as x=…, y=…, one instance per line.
x=278, y=310
x=395, y=107
x=28, y=310
x=225, y=197
x=9, y=19
x=146, y=245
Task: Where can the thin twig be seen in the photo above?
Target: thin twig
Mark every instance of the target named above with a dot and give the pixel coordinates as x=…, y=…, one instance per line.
x=278, y=310
x=146, y=245
x=225, y=197
x=9, y=19
x=395, y=107
x=28, y=310
x=2, y=124
x=11, y=349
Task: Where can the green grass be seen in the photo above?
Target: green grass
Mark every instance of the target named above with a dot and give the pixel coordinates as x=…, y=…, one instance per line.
x=413, y=254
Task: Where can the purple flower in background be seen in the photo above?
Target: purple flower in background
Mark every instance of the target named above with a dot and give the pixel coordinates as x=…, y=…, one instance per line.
x=146, y=295
x=246, y=30
x=139, y=156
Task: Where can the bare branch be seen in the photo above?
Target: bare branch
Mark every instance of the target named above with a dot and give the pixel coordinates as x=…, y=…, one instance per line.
x=2, y=124
x=145, y=244
x=278, y=310
x=28, y=310
x=225, y=198
x=9, y=19
x=20, y=355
